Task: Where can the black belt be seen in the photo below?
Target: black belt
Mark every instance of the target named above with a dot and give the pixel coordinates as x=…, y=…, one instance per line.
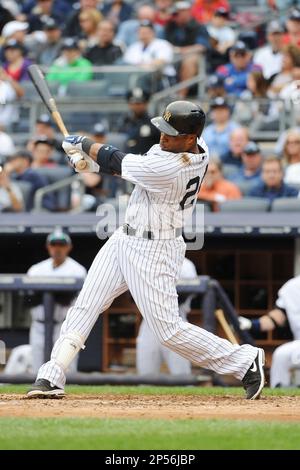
x=149, y=235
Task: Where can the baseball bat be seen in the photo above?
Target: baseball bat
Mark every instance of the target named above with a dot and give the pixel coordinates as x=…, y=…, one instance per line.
x=41, y=87
x=227, y=330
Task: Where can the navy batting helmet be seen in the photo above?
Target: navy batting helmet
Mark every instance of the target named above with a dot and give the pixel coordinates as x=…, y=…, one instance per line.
x=181, y=118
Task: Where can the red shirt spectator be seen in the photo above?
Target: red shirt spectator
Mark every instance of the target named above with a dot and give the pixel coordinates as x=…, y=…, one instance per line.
x=203, y=10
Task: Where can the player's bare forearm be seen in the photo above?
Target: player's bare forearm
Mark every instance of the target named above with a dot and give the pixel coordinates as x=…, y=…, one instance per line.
x=93, y=153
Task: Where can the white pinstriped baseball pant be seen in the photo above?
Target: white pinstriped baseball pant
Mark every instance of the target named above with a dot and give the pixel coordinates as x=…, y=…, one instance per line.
x=150, y=270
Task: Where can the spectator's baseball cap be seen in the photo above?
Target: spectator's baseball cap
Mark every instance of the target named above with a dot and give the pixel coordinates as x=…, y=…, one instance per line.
x=222, y=12
x=13, y=44
x=215, y=81
x=58, y=236
x=49, y=23
x=23, y=153
x=252, y=148
x=99, y=129
x=295, y=15
x=43, y=139
x=181, y=6
x=44, y=119
x=69, y=43
x=138, y=95
x=219, y=102
x=275, y=27
x=13, y=27
x=239, y=47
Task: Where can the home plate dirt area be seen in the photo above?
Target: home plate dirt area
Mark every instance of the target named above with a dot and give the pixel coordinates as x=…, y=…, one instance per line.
x=171, y=406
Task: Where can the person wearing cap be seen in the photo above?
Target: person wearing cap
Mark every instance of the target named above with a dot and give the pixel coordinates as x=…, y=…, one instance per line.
x=18, y=166
x=42, y=152
x=216, y=189
x=50, y=49
x=149, y=52
x=270, y=56
x=219, y=30
x=235, y=73
x=215, y=87
x=189, y=38
x=59, y=264
x=16, y=63
x=15, y=30
x=217, y=134
x=105, y=51
x=136, y=124
x=70, y=66
x=44, y=9
x=128, y=31
x=249, y=175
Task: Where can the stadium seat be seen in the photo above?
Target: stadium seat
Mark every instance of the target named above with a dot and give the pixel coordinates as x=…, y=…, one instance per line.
x=246, y=186
x=25, y=188
x=251, y=204
x=286, y=204
x=91, y=88
x=53, y=175
x=31, y=93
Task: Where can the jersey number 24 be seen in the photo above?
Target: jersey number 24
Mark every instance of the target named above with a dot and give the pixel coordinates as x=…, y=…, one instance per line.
x=192, y=188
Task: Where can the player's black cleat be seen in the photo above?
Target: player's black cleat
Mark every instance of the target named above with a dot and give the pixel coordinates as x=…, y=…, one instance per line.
x=254, y=379
x=42, y=388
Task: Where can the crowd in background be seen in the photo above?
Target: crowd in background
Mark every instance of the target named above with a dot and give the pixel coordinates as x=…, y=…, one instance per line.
x=252, y=70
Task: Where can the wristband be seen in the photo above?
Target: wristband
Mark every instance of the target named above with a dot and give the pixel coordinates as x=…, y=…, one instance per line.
x=86, y=145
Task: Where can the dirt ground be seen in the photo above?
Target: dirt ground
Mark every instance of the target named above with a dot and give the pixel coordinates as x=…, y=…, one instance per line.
x=153, y=407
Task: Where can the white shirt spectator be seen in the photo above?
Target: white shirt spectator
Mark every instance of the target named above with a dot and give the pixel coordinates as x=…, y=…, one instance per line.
x=158, y=49
x=292, y=174
x=5, y=201
x=7, y=147
x=270, y=62
x=8, y=110
x=224, y=34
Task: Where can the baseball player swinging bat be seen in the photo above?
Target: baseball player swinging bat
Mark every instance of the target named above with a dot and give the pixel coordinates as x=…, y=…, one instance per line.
x=41, y=87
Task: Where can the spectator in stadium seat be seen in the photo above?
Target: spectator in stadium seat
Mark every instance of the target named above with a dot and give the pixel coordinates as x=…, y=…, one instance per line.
x=72, y=23
x=15, y=61
x=19, y=167
x=7, y=146
x=236, y=72
x=203, y=10
x=291, y=152
x=216, y=188
x=215, y=87
x=293, y=28
x=272, y=186
x=250, y=171
x=50, y=49
x=89, y=20
x=270, y=56
x=136, y=124
x=239, y=138
x=217, y=134
x=43, y=152
x=11, y=199
x=150, y=52
x=128, y=31
x=189, y=39
x=62, y=70
x=44, y=9
x=105, y=51
x=117, y=11
x=291, y=59
x=222, y=38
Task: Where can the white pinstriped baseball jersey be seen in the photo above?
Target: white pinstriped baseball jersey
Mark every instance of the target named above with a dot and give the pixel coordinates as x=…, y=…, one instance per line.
x=166, y=186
